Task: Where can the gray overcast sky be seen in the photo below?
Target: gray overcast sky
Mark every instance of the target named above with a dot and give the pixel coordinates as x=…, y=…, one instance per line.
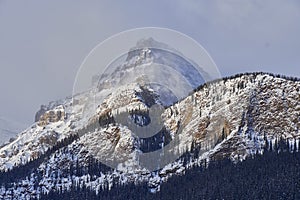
x=42, y=43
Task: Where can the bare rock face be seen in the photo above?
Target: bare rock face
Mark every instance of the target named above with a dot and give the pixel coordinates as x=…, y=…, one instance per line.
x=39, y=113
x=111, y=145
x=58, y=114
x=50, y=106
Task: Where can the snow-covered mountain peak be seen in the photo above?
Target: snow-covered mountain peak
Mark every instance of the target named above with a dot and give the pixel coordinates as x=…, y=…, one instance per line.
x=152, y=62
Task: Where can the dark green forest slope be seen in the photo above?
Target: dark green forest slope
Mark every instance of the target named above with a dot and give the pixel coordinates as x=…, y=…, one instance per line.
x=269, y=176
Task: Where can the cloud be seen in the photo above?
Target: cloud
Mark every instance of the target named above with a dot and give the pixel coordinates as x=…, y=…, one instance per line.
x=246, y=35
x=43, y=43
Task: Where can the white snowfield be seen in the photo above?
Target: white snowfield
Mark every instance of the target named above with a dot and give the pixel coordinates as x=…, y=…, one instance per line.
x=233, y=118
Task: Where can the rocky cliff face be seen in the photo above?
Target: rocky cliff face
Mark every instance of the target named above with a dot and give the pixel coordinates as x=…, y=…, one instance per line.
x=52, y=116
x=233, y=117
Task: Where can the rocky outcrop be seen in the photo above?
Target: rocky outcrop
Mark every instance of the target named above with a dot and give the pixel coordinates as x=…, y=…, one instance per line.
x=51, y=116
x=39, y=113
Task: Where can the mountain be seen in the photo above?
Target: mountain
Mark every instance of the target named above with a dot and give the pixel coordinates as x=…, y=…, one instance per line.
x=9, y=130
x=235, y=117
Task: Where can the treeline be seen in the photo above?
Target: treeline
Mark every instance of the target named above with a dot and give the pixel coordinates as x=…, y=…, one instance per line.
x=254, y=74
x=272, y=175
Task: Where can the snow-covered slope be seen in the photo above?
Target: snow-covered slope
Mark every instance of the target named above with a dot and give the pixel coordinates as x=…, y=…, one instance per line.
x=233, y=117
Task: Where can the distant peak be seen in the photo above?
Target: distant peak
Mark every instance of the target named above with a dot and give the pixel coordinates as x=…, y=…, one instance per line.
x=150, y=43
